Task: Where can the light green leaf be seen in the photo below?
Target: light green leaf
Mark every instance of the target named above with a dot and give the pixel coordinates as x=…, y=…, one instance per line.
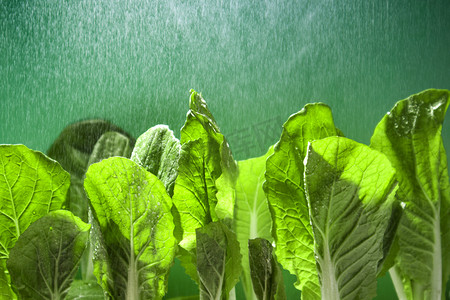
x=204, y=188
x=85, y=290
x=73, y=149
x=410, y=136
x=133, y=255
x=5, y=289
x=158, y=151
x=31, y=185
x=200, y=124
x=284, y=188
x=265, y=273
x=218, y=260
x=45, y=258
x=110, y=144
x=252, y=216
x=350, y=190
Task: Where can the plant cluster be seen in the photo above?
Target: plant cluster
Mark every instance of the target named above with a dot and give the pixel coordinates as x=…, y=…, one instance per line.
x=114, y=212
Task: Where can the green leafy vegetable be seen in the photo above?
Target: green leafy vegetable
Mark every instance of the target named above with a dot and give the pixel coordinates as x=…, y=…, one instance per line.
x=350, y=190
x=85, y=290
x=158, y=151
x=200, y=124
x=204, y=188
x=73, y=149
x=218, y=261
x=252, y=216
x=265, y=272
x=410, y=136
x=31, y=185
x=284, y=188
x=137, y=247
x=110, y=144
x=45, y=258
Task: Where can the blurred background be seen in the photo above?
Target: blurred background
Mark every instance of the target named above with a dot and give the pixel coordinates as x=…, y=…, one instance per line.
x=255, y=62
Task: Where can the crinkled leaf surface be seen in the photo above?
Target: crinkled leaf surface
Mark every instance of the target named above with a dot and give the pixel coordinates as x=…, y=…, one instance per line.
x=45, y=258
x=265, y=273
x=284, y=188
x=350, y=190
x=158, y=151
x=410, y=136
x=31, y=185
x=252, y=216
x=73, y=149
x=204, y=188
x=133, y=210
x=218, y=260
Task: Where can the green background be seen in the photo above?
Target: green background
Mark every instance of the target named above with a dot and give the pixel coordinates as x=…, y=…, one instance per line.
x=133, y=62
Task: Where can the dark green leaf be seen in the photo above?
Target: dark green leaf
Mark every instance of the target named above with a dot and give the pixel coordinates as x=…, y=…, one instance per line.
x=265, y=273
x=45, y=258
x=218, y=260
x=73, y=149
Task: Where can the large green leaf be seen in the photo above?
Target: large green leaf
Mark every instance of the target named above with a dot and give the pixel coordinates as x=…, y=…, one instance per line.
x=284, y=188
x=136, y=247
x=410, y=136
x=111, y=143
x=31, y=185
x=218, y=261
x=265, y=273
x=45, y=258
x=73, y=149
x=158, y=151
x=252, y=216
x=350, y=190
x=200, y=124
x=204, y=188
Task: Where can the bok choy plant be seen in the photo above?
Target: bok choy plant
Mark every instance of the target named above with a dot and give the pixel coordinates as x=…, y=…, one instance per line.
x=335, y=213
